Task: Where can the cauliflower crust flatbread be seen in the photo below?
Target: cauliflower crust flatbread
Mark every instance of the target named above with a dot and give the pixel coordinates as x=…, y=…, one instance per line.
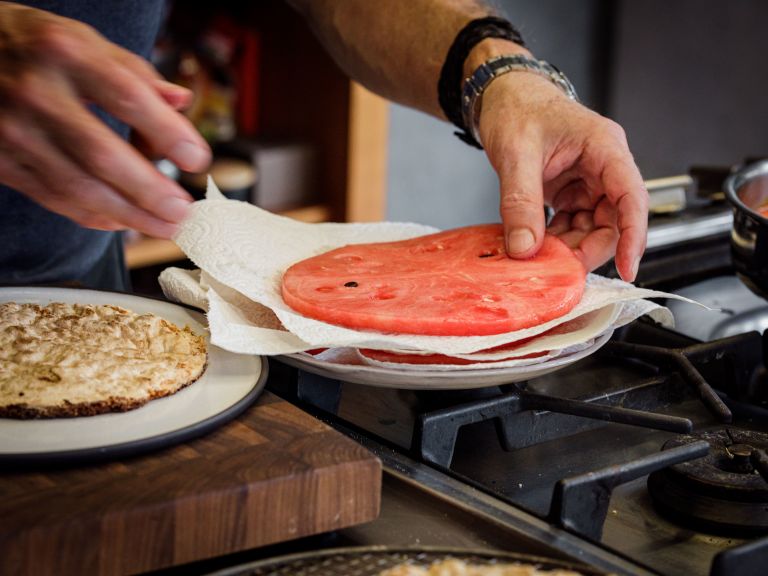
x=63, y=360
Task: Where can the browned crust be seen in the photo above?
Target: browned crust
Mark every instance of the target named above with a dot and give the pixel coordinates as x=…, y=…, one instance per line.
x=23, y=411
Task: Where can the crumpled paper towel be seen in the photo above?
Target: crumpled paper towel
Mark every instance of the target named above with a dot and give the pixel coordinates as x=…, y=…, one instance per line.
x=242, y=252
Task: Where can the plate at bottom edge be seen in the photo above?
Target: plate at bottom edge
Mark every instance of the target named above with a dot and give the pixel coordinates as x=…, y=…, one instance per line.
x=230, y=383
x=372, y=560
x=437, y=379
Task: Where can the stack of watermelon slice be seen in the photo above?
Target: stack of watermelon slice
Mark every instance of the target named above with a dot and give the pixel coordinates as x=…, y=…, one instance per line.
x=454, y=283
x=396, y=293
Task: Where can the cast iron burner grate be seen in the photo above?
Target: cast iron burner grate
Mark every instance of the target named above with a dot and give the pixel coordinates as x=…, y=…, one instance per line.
x=726, y=491
x=731, y=361
x=669, y=376
x=580, y=503
x=523, y=418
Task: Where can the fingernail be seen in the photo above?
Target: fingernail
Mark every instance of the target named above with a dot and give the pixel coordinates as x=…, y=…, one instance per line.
x=171, y=87
x=635, y=267
x=520, y=240
x=173, y=208
x=190, y=157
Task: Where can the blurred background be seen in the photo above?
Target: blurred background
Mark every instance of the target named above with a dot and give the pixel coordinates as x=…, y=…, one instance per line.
x=294, y=135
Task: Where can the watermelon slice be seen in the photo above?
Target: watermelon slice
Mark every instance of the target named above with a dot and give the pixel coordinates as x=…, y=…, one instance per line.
x=425, y=359
x=454, y=283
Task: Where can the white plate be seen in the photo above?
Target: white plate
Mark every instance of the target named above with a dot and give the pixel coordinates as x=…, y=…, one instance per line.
x=437, y=379
x=231, y=382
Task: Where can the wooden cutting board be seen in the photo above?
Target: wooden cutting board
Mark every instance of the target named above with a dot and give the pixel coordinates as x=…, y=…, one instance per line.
x=274, y=474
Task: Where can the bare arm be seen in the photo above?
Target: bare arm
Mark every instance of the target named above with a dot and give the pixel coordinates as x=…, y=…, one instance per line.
x=395, y=47
x=544, y=147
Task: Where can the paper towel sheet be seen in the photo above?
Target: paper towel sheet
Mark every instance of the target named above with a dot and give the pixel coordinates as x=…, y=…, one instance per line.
x=353, y=356
x=497, y=364
x=565, y=335
x=585, y=328
x=243, y=251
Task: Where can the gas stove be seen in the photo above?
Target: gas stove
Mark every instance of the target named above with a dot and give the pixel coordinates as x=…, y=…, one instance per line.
x=653, y=448
x=648, y=457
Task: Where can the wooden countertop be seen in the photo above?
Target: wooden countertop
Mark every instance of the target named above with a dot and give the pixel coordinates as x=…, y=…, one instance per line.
x=273, y=474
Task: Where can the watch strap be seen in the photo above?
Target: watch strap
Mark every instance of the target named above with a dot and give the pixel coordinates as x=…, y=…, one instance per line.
x=481, y=78
x=451, y=74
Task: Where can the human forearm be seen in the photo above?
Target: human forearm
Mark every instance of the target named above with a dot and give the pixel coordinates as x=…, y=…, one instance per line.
x=544, y=146
x=397, y=47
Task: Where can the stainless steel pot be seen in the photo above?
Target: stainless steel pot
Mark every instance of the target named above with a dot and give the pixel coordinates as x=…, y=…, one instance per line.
x=747, y=192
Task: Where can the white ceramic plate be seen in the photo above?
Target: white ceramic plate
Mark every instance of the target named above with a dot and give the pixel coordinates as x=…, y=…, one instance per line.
x=229, y=385
x=437, y=379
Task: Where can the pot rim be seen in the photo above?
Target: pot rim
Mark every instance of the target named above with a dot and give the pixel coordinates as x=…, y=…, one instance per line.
x=738, y=179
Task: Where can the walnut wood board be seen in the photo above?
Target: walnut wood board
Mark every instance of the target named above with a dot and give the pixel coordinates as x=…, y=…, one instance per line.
x=274, y=474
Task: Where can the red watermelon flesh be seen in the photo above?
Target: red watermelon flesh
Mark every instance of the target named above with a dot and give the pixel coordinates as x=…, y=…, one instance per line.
x=398, y=358
x=454, y=283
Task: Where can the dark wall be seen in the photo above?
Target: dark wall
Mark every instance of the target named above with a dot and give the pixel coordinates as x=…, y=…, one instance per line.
x=689, y=81
x=436, y=179
x=573, y=35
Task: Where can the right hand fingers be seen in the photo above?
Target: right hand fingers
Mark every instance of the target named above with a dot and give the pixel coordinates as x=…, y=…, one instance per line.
x=63, y=62
x=109, y=76
x=93, y=208
x=176, y=96
x=37, y=167
x=99, y=153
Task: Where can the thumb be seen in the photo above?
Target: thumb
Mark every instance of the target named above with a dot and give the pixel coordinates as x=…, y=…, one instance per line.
x=522, y=205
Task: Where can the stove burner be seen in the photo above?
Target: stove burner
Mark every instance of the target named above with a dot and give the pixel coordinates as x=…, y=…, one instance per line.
x=727, y=490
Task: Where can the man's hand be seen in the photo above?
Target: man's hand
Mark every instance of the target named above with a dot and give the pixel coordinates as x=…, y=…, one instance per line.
x=549, y=149
x=544, y=147
x=54, y=150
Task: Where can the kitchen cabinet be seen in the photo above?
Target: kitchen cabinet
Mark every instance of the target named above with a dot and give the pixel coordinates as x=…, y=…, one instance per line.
x=303, y=96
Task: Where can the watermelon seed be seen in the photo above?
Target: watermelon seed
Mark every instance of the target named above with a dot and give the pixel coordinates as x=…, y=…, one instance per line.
x=352, y=284
x=489, y=253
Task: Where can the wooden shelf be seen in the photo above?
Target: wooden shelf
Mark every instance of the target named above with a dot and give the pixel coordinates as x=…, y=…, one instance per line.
x=314, y=213
x=152, y=251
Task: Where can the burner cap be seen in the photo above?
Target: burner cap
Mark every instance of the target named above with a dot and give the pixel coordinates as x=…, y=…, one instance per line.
x=721, y=491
